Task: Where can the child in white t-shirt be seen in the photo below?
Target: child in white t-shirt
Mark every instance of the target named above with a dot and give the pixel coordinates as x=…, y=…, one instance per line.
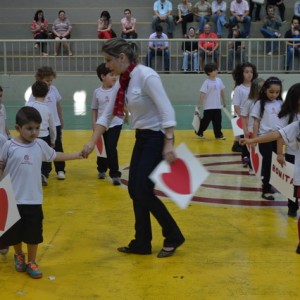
x=101, y=97
x=212, y=98
x=47, y=128
x=21, y=158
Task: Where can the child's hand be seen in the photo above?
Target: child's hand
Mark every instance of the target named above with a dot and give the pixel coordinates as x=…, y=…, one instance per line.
x=280, y=159
x=87, y=150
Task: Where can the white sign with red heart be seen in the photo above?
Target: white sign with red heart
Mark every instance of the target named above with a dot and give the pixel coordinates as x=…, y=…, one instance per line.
x=256, y=160
x=100, y=147
x=9, y=213
x=237, y=126
x=181, y=179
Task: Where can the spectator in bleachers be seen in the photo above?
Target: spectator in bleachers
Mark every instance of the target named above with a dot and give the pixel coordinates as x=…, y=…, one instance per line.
x=202, y=11
x=185, y=15
x=39, y=29
x=293, y=43
x=128, y=25
x=104, y=28
x=61, y=29
x=158, y=48
x=270, y=29
x=297, y=9
x=280, y=5
x=236, y=49
x=218, y=8
x=239, y=10
x=163, y=13
x=190, y=51
x=208, y=47
x=257, y=10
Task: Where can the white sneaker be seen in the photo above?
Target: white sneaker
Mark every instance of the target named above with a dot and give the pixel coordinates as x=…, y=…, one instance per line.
x=61, y=175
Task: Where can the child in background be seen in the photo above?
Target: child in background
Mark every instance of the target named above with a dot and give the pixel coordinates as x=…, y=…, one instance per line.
x=53, y=100
x=101, y=97
x=289, y=113
x=243, y=75
x=29, y=151
x=246, y=109
x=265, y=114
x=47, y=128
x=3, y=127
x=212, y=98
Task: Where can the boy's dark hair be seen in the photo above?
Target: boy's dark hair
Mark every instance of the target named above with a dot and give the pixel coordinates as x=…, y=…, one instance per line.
x=127, y=9
x=208, y=68
x=40, y=89
x=28, y=114
x=1, y=89
x=158, y=28
x=102, y=70
x=43, y=72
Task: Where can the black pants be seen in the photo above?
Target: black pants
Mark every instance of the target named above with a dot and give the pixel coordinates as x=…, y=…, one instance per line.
x=257, y=10
x=46, y=166
x=146, y=155
x=43, y=45
x=111, y=162
x=266, y=150
x=292, y=205
x=186, y=19
x=214, y=116
x=59, y=165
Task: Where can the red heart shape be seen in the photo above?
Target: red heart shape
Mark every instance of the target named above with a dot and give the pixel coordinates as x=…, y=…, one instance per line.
x=255, y=159
x=239, y=123
x=3, y=208
x=178, y=179
x=99, y=145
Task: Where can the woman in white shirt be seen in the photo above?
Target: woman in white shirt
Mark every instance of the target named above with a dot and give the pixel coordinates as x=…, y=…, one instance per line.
x=153, y=118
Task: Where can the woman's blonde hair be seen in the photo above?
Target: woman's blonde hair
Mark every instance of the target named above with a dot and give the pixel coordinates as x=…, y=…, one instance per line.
x=114, y=47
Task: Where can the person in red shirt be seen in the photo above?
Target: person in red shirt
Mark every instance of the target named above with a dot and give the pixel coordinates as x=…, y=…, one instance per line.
x=208, y=46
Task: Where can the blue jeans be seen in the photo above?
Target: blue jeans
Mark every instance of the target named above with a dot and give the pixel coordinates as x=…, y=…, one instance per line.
x=220, y=21
x=164, y=53
x=170, y=22
x=202, y=21
x=146, y=155
x=188, y=57
x=247, y=23
x=270, y=46
x=290, y=55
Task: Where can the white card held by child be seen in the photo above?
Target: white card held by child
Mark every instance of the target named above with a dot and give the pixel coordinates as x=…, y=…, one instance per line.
x=181, y=179
x=9, y=213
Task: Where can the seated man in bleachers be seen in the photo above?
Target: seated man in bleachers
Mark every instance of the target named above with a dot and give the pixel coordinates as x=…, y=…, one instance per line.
x=239, y=10
x=293, y=43
x=219, y=8
x=236, y=49
x=158, y=48
x=163, y=13
x=208, y=47
x=280, y=5
x=270, y=29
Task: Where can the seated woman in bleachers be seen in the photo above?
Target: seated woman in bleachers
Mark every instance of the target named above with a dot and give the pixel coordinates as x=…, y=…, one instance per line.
x=39, y=29
x=185, y=15
x=190, y=51
x=128, y=25
x=105, y=26
x=62, y=31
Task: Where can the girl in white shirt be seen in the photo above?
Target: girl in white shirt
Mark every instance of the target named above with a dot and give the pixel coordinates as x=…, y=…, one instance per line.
x=265, y=114
x=153, y=117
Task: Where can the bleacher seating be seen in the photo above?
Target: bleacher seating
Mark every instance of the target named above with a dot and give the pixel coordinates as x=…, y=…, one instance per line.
x=83, y=14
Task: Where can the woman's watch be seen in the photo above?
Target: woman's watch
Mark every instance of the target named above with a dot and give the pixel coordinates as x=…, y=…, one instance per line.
x=169, y=136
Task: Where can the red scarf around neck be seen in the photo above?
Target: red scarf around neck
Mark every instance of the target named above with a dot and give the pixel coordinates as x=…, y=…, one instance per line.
x=120, y=98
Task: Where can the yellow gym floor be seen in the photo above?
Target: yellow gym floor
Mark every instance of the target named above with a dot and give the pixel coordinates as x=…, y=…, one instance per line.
x=237, y=246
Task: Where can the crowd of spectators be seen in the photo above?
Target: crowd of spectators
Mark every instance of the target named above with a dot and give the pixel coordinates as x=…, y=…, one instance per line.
x=211, y=19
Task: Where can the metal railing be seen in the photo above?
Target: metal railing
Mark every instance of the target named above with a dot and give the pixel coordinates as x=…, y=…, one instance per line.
x=20, y=56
